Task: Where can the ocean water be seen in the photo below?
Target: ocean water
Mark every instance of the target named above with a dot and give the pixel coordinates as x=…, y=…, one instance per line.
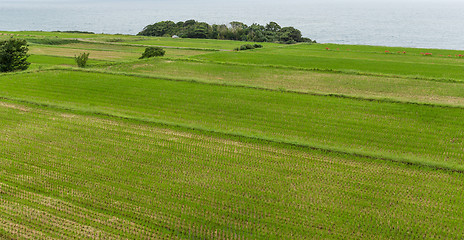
x=407, y=23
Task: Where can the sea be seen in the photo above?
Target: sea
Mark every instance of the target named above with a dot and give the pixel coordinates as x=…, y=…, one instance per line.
x=404, y=23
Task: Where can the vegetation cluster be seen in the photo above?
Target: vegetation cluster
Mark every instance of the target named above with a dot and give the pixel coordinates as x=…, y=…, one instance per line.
x=82, y=59
x=79, y=32
x=272, y=32
x=52, y=41
x=248, y=46
x=153, y=52
x=13, y=55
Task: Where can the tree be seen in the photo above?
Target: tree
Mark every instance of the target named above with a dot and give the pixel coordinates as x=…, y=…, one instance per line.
x=159, y=29
x=273, y=27
x=256, y=33
x=290, y=35
x=153, y=52
x=272, y=32
x=13, y=55
x=199, y=30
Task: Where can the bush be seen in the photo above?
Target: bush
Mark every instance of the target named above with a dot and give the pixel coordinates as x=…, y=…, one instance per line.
x=80, y=32
x=153, y=52
x=248, y=46
x=82, y=59
x=13, y=55
x=115, y=40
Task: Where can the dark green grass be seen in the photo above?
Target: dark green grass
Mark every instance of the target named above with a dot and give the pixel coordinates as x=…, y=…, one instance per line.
x=52, y=41
x=400, y=132
x=66, y=176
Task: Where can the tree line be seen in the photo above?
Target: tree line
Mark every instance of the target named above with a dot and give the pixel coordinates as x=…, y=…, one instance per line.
x=271, y=32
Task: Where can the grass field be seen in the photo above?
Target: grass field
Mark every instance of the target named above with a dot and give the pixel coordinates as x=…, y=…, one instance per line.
x=380, y=63
x=356, y=85
x=284, y=142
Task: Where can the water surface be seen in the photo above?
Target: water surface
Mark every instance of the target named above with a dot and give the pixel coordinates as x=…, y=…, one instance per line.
x=402, y=23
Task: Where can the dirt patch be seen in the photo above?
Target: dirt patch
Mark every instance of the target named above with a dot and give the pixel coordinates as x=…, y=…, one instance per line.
x=14, y=106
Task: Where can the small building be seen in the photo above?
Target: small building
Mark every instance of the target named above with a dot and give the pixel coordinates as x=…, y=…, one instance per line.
x=175, y=36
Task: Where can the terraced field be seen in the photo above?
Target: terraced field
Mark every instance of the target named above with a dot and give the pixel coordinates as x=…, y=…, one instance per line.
x=284, y=142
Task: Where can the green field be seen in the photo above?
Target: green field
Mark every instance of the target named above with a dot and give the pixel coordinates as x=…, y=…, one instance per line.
x=283, y=142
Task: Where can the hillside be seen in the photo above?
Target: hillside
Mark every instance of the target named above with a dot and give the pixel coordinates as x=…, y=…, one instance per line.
x=295, y=141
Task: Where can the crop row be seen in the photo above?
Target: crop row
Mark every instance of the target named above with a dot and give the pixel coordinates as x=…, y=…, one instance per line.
x=374, y=63
x=403, y=89
x=66, y=175
x=397, y=131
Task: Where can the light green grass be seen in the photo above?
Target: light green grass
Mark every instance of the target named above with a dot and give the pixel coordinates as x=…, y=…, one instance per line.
x=52, y=61
x=66, y=176
x=24, y=34
x=378, y=49
x=357, y=62
x=170, y=52
x=70, y=52
x=427, y=134
x=227, y=145
x=401, y=89
x=109, y=52
x=195, y=43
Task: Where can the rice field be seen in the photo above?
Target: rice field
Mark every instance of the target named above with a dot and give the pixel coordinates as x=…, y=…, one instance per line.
x=304, y=56
x=313, y=82
x=301, y=141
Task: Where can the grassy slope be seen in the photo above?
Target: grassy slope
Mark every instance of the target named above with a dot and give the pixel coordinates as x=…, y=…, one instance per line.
x=416, y=132
x=313, y=56
x=195, y=43
x=107, y=168
x=115, y=178
x=403, y=89
x=106, y=51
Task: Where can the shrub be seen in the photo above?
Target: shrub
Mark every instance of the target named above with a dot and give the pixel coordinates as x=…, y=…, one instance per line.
x=153, y=52
x=115, y=40
x=80, y=32
x=82, y=59
x=248, y=46
x=13, y=55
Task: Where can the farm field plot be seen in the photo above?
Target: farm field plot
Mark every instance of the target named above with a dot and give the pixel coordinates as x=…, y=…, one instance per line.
x=441, y=68
x=68, y=175
x=406, y=132
x=102, y=52
x=61, y=35
x=71, y=52
x=41, y=61
x=398, y=88
x=194, y=43
x=305, y=141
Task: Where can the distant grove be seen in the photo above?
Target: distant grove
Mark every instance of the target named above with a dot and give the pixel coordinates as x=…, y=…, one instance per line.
x=272, y=32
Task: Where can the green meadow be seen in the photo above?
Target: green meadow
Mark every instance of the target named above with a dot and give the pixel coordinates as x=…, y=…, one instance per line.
x=305, y=141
